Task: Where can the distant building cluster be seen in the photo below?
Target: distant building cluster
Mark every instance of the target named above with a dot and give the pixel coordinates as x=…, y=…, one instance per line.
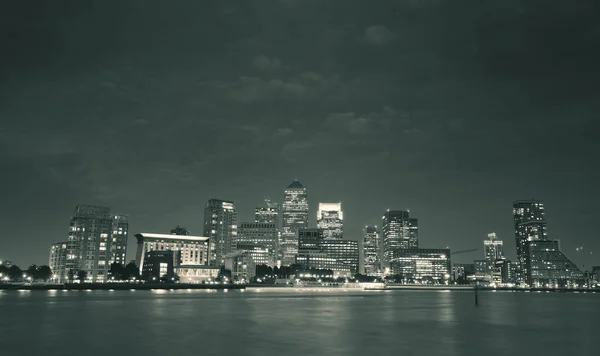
x=280, y=235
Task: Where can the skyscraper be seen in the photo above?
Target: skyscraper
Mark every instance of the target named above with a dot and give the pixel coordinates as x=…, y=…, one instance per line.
x=96, y=239
x=268, y=213
x=119, y=239
x=220, y=226
x=530, y=225
x=295, y=217
x=330, y=218
x=371, y=250
x=260, y=240
x=493, y=250
x=398, y=231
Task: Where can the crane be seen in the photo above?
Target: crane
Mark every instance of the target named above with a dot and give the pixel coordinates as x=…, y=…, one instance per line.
x=463, y=251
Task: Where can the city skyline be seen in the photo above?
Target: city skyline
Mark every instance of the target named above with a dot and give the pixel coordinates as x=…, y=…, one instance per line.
x=380, y=107
x=510, y=250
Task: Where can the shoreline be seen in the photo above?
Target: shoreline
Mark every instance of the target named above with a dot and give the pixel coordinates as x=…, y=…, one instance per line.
x=290, y=288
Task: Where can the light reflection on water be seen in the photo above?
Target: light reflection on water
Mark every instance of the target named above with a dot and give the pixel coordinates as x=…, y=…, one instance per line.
x=296, y=322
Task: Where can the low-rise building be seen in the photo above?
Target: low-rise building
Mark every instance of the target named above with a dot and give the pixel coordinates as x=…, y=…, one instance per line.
x=421, y=264
x=188, y=250
x=195, y=274
x=548, y=267
x=241, y=265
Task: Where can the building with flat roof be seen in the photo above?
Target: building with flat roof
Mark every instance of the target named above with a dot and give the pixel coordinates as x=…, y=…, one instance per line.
x=58, y=257
x=371, y=251
x=260, y=240
x=242, y=266
x=294, y=217
x=330, y=218
x=220, y=226
x=421, y=264
x=188, y=250
x=398, y=230
x=317, y=252
x=195, y=274
x=96, y=239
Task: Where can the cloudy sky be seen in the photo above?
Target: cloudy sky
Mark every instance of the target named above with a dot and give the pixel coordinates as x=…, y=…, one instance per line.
x=452, y=109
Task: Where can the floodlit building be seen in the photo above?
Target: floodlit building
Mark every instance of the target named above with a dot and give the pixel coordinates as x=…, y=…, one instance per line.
x=530, y=225
x=187, y=249
x=493, y=250
x=421, y=265
x=330, y=218
x=195, y=274
x=398, y=231
x=550, y=268
x=96, y=239
x=294, y=218
x=371, y=250
x=58, y=258
x=260, y=240
x=220, y=226
x=317, y=252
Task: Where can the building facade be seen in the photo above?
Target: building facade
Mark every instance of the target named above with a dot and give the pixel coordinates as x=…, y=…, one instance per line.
x=317, y=252
x=158, y=264
x=398, y=231
x=58, y=258
x=187, y=249
x=294, y=218
x=530, y=225
x=267, y=214
x=549, y=268
x=260, y=240
x=371, y=250
x=330, y=218
x=420, y=265
x=241, y=265
x=119, y=239
x=493, y=251
x=462, y=271
x=96, y=239
x=220, y=226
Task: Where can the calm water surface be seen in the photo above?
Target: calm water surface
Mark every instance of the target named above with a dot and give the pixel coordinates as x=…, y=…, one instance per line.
x=297, y=323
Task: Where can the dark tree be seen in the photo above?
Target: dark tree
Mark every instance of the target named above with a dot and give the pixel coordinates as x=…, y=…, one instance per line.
x=71, y=275
x=44, y=273
x=117, y=271
x=4, y=270
x=81, y=275
x=15, y=273
x=32, y=272
x=131, y=271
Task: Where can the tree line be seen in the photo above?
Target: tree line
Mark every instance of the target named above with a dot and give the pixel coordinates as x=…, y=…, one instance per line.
x=32, y=274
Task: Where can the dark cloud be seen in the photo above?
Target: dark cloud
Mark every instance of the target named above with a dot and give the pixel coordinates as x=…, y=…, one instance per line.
x=450, y=108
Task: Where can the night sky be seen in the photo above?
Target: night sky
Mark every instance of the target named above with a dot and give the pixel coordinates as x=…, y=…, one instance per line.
x=452, y=109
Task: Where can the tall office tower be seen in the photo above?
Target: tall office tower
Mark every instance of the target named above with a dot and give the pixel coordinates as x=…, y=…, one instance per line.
x=330, y=218
x=58, y=257
x=530, y=225
x=90, y=242
x=398, y=231
x=259, y=240
x=220, y=226
x=295, y=217
x=371, y=250
x=267, y=214
x=118, y=247
x=493, y=249
x=181, y=231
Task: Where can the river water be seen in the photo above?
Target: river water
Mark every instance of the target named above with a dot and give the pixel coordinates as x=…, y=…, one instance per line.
x=297, y=322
